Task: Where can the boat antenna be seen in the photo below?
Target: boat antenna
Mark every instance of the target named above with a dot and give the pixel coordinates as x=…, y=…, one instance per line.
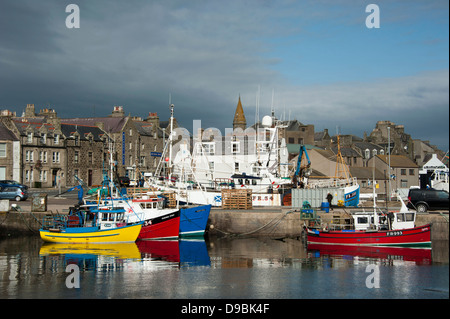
x=258, y=95
x=272, y=108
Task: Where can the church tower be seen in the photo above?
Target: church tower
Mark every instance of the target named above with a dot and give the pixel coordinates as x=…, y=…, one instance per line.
x=239, y=117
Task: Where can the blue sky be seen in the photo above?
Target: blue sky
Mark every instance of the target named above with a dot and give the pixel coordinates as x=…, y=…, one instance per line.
x=335, y=49
x=323, y=65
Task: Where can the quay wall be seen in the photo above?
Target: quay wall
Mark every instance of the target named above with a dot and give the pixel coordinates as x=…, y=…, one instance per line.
x=279, y=222
x=284, y=223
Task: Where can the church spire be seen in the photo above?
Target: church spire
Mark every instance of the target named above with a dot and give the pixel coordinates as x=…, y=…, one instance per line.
x=239, y=117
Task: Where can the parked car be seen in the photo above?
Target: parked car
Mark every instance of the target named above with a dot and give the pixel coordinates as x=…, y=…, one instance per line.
x=8, y=182
x=423, y=200
x=13, y=192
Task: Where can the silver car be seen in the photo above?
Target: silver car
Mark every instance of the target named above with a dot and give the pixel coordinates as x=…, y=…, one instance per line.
x=15, y=193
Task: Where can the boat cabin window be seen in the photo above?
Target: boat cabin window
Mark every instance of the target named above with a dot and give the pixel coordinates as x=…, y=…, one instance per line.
x=148, y=205
x=405, y=217
x=364, y=220
x=112, y=217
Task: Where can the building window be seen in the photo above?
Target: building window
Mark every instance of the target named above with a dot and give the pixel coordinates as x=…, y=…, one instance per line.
x=235, y=147
x=75, y=157
x=29, y=137
x=403, y=183
x=131, y=132
x=56, y=141
x=403, y=171
x=43, y=156
x=291, y=140
x=236, y=167
x=199, y=149
x=367, y=153
x=90, y=158
x=374, y=152
x=55, y=157
x=209, y=148
x=29, y=156
x=411, y=172
x=43, y=138
x=2, y=149
x=43, y=176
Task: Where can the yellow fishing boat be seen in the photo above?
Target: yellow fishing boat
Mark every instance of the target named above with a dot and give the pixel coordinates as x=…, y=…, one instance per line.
x=80, y=226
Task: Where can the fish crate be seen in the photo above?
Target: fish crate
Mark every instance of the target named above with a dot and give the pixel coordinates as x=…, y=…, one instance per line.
x=237, y=199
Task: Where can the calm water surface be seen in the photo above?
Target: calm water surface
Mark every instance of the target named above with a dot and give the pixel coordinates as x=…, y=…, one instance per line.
x=220, y=268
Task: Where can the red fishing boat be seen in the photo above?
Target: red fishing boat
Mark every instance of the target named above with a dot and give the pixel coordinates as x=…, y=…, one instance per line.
x=375, y=229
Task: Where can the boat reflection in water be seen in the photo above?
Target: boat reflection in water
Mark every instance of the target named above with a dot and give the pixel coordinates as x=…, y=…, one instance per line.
x=187, y=253
x=182, y=253
x=419, y=256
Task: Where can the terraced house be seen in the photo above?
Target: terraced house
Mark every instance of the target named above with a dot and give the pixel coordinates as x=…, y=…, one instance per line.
x=43, y=150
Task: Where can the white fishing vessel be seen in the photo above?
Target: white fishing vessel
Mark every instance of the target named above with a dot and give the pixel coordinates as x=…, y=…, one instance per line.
x=255, y=159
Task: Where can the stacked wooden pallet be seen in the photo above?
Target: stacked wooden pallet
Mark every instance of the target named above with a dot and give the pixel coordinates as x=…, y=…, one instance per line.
x=171, y=199
x=236, y=198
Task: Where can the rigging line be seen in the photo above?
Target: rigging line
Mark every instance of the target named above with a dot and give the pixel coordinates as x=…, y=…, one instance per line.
x=280, y=216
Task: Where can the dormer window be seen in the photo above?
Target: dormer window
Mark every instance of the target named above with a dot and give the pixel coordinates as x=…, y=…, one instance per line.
x=30, y=137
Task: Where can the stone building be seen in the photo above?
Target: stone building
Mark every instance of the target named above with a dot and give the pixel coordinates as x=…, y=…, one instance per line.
x=86, y=150
x=49, y=151
x=403, y=172
x=136, y=142
x=400, y=142
x=296, y=132
x=9, y=150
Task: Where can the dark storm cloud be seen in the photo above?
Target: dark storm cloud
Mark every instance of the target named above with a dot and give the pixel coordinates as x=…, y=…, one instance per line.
x=203, y=53
x=129, y=53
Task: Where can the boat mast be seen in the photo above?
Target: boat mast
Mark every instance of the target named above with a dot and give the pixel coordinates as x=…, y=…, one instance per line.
x=171, y=139
x=342, y=170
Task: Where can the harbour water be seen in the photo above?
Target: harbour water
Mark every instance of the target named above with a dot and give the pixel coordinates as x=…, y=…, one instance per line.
x=217, y=268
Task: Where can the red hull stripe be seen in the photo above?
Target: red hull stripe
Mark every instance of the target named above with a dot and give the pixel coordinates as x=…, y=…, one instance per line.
x=162, y=230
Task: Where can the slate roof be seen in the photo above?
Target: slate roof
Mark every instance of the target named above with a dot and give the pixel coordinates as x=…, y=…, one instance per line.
x=111, y=124
x=346, y=151
x=398, y=161
x=367, y=145
x=6, y=134
x=83, y=131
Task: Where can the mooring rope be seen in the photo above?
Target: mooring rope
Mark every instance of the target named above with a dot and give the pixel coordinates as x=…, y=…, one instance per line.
x=280, y=218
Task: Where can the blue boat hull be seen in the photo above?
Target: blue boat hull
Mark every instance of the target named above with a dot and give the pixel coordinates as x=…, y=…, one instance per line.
x=193, y=220
x=351, y=196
